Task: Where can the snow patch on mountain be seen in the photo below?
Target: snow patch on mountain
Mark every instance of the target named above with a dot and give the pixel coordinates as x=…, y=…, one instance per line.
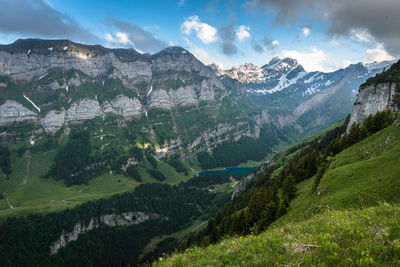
x=283, y=83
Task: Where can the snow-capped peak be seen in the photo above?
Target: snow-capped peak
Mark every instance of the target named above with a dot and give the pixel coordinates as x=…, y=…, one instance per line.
x=247, y=72
x=285, y=65
x=378, y=65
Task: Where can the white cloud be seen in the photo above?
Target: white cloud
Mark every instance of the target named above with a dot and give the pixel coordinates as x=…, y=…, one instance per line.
x=123, y=38
x=378, y=54
x=109, y=37
x=242, y=33
x=361, y=35
x=311, y=61
x=306, y=31
x=205, y=32
x=275, y=43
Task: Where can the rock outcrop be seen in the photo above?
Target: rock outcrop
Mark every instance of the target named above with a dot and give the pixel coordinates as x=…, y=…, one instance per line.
x=87, y=109
x=111, y=220
x=53, y=120
x=373, y=98
x=208, y=139
x=84, y=109
x=12, y=111
x=124, y=106
x=245, y=180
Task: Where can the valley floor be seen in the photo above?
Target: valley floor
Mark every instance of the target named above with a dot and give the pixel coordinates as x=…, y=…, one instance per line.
x=27, y=192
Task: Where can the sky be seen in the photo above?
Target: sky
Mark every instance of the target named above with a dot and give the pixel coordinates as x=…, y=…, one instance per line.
x=322, y=35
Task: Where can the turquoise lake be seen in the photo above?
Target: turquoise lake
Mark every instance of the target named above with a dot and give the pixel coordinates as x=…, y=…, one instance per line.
x=231, y=170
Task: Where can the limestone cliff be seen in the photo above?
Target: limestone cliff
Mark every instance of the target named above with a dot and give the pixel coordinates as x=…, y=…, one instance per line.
x=111, y=220
x=372, y=99
x=12, y=111
x=55, y=83
x=377, y=94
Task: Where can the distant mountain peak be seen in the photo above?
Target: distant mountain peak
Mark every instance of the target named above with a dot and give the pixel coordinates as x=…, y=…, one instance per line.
x=287, y=64
x=247, y=72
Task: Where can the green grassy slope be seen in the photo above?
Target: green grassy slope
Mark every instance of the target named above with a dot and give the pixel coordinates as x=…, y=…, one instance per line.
x=39, y=195
x=363, y=175
x=353, y=221
x=351, y=237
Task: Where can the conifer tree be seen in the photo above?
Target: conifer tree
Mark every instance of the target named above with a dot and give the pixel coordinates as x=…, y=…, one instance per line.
x=289, y=187
x=369, y=124
x=354, y=134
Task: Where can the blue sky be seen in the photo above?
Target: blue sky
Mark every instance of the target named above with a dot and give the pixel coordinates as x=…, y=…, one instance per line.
x=228, y=33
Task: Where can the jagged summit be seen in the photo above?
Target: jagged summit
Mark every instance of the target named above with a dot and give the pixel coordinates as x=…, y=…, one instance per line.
x=247, y=73
x=287, y=64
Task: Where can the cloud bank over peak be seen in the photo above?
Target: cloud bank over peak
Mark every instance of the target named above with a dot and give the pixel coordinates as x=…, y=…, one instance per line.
x=380, y=18
x=132, y=35
x=37, y=18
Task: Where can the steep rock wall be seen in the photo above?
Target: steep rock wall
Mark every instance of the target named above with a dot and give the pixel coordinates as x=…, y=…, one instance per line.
x=111, y=220
x=373, y=98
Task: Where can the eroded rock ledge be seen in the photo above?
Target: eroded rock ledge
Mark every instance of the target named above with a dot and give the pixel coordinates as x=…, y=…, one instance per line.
x=111, y=220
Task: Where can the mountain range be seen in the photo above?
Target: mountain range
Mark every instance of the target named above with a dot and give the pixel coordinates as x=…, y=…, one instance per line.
x=293, y=97
x=102, y=149
x=54, y=83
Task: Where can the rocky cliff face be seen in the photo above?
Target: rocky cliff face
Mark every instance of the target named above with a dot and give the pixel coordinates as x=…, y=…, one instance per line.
x=30, y=63
x=84, y=109
x=12, y=111
x=373, y=98
x=208, y=139
x=55, y=83
x=137, y=73
x=111, y=220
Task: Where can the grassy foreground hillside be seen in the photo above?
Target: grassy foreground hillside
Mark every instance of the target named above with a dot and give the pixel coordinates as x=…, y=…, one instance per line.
x=335, y=237
x=362, y=175
x=352, y=218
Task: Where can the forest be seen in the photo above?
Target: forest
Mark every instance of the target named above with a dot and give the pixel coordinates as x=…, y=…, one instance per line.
x=5, y=162
x=106, y=246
